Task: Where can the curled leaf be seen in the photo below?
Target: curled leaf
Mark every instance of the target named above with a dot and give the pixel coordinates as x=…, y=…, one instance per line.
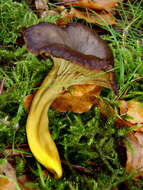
x=81, y=100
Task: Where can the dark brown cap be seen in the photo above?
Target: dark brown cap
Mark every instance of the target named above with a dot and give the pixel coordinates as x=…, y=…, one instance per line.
x=76, y=43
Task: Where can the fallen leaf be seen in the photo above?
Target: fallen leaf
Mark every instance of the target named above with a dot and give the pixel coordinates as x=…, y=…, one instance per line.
x=81, y=100
x=101, y=18
x=96, y=4
x=135, y=159
x=81, y=90
x=7, y=183
x=124, y=107
x=133, y=110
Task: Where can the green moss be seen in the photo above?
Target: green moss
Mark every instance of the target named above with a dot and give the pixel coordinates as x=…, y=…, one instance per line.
x=82, y=139
x=13, y=17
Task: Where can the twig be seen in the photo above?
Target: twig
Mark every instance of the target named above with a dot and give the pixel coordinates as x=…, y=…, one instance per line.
x=2, y=85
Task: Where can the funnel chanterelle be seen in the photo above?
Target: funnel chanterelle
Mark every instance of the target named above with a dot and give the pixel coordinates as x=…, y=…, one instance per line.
x=80, y=56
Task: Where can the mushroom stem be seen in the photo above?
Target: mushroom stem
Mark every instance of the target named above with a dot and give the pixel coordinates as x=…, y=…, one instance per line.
x=62, y=75
x=39, y=138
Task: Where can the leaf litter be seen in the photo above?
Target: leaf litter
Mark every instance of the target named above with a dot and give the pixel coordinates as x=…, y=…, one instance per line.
x=9, y=181
x=100, y=12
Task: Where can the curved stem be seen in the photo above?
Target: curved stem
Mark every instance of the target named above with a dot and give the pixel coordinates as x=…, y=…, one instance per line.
x=39, y=138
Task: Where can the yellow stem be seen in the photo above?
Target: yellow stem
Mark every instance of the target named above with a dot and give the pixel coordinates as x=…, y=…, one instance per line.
x=39, y=138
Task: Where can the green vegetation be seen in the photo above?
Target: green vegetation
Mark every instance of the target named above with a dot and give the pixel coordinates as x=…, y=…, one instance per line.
x=84, y=139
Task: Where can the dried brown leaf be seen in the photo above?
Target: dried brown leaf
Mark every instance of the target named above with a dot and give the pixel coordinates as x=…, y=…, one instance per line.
x=133, y=109
x=101, y=18
x=120, y=122
x=135, y=160
x=9, y=183
x=96, y=4
x=81, y=100
x=6, y=169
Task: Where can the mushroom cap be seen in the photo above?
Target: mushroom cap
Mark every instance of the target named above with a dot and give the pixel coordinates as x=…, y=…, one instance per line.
x=76, y=43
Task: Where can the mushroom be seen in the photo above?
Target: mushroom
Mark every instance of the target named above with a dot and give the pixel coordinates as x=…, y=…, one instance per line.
x=80, y=56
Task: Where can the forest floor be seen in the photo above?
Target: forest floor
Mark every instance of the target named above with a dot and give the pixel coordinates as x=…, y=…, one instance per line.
x=92, y=148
